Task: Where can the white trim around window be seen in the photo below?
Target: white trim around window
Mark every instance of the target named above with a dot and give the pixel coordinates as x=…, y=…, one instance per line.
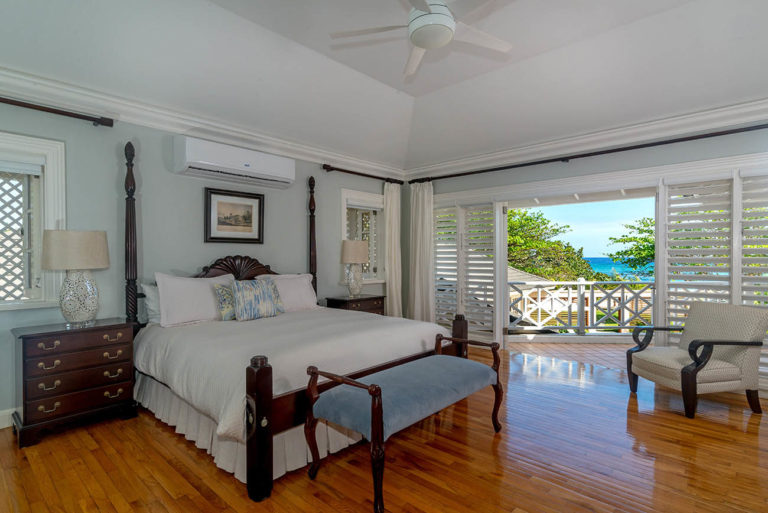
x=51, y=155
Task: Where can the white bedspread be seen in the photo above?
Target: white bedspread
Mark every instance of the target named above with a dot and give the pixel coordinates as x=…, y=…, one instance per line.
x=205, y=363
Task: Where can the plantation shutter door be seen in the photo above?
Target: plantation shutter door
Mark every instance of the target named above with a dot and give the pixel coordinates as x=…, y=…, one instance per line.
x=754, y=252
x=698, y=245
x=446, y=265
x=477, y=260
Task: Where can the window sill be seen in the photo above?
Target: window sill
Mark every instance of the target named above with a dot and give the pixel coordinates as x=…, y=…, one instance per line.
x=28, y=305
x=366, y=282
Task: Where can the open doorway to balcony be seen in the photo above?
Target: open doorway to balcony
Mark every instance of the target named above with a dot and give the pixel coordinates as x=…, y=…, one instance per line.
x=581, y=268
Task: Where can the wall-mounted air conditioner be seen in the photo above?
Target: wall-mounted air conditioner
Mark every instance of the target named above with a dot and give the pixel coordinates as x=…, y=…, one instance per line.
x=216, y=161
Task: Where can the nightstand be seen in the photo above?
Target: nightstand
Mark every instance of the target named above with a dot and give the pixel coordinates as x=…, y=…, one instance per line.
x=67, y=376
x=361, y=303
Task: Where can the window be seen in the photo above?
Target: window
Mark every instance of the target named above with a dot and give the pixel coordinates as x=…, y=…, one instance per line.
x=31, y=200
x=20, y=233
x=362, y=215
x=362, y=224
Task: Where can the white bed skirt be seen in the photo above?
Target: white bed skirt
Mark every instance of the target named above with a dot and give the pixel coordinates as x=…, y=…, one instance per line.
x=290, y=450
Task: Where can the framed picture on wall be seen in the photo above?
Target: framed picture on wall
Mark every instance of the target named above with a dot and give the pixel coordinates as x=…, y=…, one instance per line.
x=233, y=216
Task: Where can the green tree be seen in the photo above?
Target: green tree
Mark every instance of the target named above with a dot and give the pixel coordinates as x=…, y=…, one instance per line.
x=532, y=247
x=639, y=250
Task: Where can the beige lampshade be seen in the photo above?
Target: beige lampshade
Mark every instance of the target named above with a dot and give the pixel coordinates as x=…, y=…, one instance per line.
x=65, y=250
x=354, y=252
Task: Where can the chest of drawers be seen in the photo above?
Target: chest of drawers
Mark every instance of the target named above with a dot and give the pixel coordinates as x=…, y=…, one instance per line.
x=362, y=303
x=67, y=376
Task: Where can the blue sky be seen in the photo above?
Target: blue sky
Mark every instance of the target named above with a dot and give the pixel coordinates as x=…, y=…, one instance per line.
x=592, y=223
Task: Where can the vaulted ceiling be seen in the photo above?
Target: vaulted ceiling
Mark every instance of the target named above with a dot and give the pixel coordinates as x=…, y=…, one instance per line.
x=267, y=73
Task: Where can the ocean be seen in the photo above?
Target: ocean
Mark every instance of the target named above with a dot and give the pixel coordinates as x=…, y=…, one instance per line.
x=609, y=267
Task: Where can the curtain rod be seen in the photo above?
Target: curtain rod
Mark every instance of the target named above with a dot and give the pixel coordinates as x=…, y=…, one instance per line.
x=330, y=168
x=51, y=110
x=595, y=153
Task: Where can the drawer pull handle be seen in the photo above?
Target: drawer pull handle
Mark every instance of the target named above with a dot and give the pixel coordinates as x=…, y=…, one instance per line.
x=110, y=396
x=41, y=365
x=115, y=375
x=41, y=345
x=56, y=384
x=117, y=355
x=42, y=409
x=109, y=339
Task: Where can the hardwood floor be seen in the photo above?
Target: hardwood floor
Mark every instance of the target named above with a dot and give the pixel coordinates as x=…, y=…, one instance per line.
x=613, y=356
x=574, y=440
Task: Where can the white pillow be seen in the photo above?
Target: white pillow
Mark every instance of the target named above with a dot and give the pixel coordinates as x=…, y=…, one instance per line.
x=188, y=300
x=295, y=291
x=151, y=302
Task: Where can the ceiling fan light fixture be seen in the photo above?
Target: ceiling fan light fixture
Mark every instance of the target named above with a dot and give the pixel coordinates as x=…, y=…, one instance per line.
x=434, y=29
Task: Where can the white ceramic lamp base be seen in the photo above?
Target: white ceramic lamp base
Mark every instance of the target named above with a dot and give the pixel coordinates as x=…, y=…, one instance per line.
x=355, y=279
x=79, y=298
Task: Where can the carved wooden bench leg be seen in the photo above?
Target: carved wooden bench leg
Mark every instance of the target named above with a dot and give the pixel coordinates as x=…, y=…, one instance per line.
x=499, y=393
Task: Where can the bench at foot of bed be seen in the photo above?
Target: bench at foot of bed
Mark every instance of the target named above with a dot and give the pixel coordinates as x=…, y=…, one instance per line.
x=381, y=404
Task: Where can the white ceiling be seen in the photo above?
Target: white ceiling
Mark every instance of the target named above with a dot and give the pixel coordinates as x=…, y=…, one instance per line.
x=532, y=26
x=267, y=72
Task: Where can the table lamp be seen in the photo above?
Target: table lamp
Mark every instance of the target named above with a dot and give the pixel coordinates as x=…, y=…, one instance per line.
x=354, y=253
x=77, y=252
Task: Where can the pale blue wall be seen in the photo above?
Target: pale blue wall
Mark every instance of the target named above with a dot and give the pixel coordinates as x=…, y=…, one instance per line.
x=170, y=215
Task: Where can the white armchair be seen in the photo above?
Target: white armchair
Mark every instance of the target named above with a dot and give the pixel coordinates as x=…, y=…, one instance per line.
x=719, y=351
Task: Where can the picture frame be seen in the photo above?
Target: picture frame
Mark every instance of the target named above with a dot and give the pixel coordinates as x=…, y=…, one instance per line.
x=234, y=216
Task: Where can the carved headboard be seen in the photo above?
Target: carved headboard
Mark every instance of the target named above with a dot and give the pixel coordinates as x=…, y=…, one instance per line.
x=243, y=267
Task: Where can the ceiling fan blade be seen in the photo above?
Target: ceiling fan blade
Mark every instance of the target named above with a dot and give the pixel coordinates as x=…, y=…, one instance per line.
x=461, y=8
x=364, y=32
x=421, y=5
x=473, y=36
x=414, y=59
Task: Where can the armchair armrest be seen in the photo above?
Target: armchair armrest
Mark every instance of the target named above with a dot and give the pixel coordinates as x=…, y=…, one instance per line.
x=649, y=331
x=708, y=346
x=494, y=347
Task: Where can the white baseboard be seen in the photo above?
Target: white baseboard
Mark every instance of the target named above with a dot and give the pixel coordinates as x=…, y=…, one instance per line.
x=5, y=418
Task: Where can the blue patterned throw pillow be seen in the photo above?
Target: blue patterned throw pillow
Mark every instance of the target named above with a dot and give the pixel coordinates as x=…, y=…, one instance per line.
x=255, y=299
x=225, y=301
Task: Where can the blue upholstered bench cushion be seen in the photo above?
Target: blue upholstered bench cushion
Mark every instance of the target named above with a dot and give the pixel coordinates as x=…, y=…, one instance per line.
x=409, y=393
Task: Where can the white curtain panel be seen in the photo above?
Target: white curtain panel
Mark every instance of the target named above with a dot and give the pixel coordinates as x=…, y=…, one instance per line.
x=421, y=297
x=394, y=288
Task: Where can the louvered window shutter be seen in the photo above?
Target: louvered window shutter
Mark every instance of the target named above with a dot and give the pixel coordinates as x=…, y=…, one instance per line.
x=699, y=245
x=754, y=251
x=464, y=265
x=446, y=265
x=477, y=247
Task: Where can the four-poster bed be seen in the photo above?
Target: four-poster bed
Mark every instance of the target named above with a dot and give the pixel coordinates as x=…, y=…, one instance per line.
x=266, y=414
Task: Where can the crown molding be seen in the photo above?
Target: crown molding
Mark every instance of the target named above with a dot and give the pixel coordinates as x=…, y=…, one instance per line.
x=742, y=114
x=528, y=194
x=32, y=88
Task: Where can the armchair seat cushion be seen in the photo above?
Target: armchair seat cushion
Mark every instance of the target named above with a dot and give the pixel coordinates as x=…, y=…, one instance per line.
x=667, y=362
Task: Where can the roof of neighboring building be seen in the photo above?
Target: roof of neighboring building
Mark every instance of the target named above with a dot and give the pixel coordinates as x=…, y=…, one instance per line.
x=515, y=274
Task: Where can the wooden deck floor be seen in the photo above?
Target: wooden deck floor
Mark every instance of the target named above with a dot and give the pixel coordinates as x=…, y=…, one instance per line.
x=574, y=440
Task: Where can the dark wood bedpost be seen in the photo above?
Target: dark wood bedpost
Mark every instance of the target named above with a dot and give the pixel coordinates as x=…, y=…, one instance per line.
x=460, y=329
x=312, y=238
x=131, y=307
x=258, y=422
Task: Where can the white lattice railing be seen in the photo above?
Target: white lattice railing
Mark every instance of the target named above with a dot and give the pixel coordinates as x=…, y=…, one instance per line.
x=579, y=306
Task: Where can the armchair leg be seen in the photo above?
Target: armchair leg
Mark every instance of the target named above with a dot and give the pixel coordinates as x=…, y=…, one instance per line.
x=754, y=401
x=631, y=375
x=498, y=395
x=689, y=393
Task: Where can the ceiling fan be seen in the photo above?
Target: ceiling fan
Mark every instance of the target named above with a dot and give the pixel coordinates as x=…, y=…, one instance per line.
x=433, y=24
